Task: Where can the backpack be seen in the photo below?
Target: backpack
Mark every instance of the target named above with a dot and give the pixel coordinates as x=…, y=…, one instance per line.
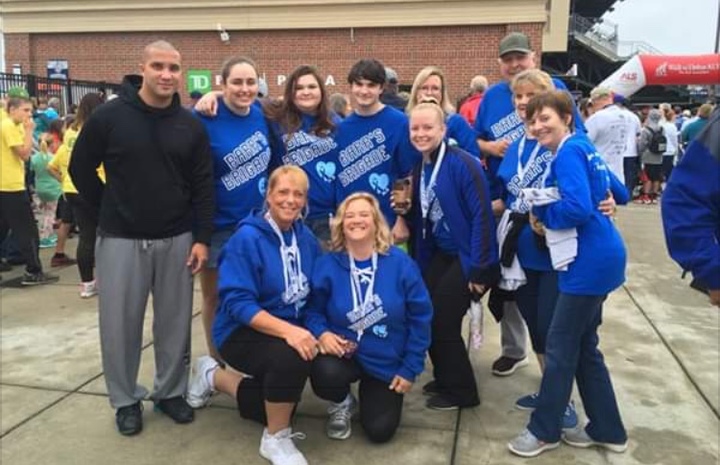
x=658, y=142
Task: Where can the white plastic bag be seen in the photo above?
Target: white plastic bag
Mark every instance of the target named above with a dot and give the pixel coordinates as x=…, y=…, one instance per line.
x=476, y=323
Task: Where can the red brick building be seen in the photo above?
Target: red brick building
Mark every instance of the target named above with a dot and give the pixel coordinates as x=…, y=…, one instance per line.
x=102, y=40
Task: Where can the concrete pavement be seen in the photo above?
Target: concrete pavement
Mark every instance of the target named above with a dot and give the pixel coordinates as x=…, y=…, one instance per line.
x=660, y=339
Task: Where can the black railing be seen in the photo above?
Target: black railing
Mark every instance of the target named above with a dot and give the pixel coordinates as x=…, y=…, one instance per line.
x=69, y=91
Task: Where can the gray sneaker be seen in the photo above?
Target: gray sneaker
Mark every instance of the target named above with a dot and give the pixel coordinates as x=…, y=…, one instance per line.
x=339, y=425
x=527, y=445
x=578, y=437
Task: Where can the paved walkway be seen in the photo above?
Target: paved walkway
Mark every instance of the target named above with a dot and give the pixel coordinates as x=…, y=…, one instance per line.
x=660, y=340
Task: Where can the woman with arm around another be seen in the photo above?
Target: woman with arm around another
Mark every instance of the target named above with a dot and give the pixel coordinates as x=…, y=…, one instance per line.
x=263, y=286
x=582, y=180
x=455, y=245
x=371, y=314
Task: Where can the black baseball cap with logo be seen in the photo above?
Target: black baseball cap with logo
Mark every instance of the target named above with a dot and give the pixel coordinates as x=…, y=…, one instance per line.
x=515, y=42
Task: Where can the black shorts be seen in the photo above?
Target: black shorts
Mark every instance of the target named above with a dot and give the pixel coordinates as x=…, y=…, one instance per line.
x=64, y=211
x=654, y=172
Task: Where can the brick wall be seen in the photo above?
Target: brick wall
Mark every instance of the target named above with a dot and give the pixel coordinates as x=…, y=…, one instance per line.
x=461, y=51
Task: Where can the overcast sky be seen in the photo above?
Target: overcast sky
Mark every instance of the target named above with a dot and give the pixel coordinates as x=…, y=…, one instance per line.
x=675, y=27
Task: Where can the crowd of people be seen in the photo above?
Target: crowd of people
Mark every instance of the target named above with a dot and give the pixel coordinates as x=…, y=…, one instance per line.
x=342, y=243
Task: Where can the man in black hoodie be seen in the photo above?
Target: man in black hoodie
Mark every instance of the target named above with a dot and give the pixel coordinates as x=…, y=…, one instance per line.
x=155, y=222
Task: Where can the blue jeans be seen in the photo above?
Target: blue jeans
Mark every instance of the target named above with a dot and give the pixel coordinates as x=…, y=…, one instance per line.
x=536, y=301
x=572, y=351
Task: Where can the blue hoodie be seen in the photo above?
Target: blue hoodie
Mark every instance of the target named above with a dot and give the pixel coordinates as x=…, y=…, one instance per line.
x=497, y=119
x=462, y=193
x=393, y=344
x=584, y=179
x=314, y=154
x=372, y=152
x=241, y=159
x=529, y=254
x=691, y=207
x=250, y=276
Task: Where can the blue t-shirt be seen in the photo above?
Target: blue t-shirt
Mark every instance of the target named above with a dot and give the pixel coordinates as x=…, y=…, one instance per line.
x=314, y=154
x=241, y=156
x=372, y=152
x=460, y=134
x=497, y=119
x=439, y=227
x=529, y=254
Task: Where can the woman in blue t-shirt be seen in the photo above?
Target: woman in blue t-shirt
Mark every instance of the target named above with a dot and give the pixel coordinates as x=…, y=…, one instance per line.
x=589, y=254
x=240, y=143
x=430, y=84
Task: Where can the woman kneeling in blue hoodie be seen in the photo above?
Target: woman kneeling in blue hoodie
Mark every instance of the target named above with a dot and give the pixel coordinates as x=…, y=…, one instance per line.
x=371, y=314
x=263, y=286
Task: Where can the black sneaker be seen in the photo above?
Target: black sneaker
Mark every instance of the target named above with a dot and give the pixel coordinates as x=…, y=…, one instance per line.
x=176, y=408
x=36, y=279
x=431, y=388
x=505, y=366
x=446, y=403
x=129, y=419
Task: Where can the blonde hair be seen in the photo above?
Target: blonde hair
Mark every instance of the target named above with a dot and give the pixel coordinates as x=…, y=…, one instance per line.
x=432, y=105
x=44, y=144
x=420, y=79
x=293, y=171
x=383, y=238
x=534, y=77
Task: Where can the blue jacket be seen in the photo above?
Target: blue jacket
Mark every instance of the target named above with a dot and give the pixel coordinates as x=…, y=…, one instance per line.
x=393, y=344
x=241, y=160
x=462, y=192
x=691, y=207
x=584, y=180
x=314, y=154
x=250, y=277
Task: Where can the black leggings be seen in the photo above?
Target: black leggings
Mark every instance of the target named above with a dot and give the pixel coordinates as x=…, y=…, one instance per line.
x=278, y=372
x=380, y=408
x=16, y=215
x=87, y=220
x=450, y=298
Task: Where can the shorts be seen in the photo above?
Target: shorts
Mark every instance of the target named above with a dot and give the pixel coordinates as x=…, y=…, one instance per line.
x=654, y=172
x=64, y=211
x=217, y=242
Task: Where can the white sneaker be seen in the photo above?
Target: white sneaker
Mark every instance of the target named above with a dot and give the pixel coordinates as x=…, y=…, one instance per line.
x=88, y=289
x=339, y=425
x=200, y=388
x=280, y=449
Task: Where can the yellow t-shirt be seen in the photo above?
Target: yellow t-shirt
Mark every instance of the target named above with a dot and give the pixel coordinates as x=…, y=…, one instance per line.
x=12, y=168
x=61, y=161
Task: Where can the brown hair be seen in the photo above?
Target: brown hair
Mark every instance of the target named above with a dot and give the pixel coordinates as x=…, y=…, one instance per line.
x=383, y=238
x=558, y=100
x=87, y=106
x=289, y=116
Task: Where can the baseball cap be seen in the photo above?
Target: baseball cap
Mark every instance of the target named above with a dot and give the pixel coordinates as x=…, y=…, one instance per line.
x=600, y=92
x=391, y=75
x=18, y=92
x=515, y=42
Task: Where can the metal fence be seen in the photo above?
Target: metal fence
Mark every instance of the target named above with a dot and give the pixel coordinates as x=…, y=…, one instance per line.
x=68, y=91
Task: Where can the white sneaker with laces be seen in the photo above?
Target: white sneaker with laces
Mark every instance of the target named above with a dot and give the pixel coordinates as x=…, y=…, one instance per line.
x=339, y=425
x=280, y=449
x=88, y=289
x=200, y=387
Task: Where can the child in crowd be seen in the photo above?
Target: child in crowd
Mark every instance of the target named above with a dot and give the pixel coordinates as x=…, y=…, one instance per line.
x=47, y=189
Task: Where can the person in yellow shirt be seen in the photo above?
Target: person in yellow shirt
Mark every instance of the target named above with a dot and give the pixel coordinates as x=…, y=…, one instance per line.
x=15, y=210
x=86, y=216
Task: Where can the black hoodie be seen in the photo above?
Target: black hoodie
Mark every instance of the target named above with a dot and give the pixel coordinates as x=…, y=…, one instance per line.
x=158, y=166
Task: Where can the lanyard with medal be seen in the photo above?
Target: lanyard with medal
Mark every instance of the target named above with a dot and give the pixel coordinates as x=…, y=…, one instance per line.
x=290, y=256
x=426, y=191
x=521, y=170
x=362, y=302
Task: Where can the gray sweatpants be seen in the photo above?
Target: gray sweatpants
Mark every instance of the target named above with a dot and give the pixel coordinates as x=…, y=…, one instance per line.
x=513, y=334
x=128, y=270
